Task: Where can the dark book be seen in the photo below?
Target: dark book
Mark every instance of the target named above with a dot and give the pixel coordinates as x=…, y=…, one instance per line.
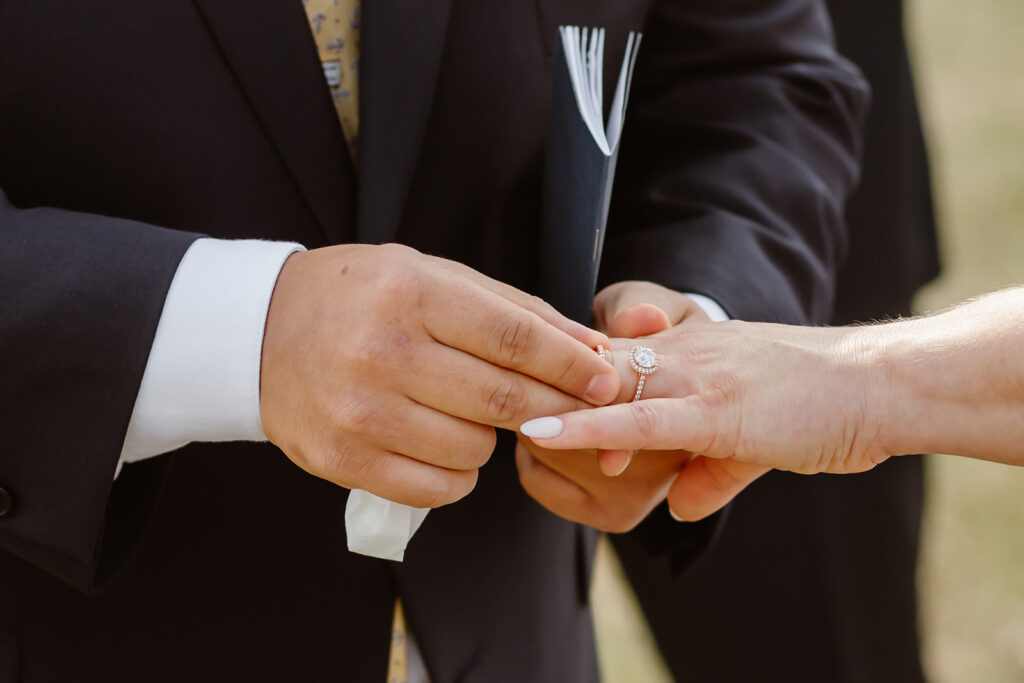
x=580, y=168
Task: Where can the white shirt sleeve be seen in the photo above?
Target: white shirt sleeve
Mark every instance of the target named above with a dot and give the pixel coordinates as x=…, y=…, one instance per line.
x=202, y=379
x=709, y=306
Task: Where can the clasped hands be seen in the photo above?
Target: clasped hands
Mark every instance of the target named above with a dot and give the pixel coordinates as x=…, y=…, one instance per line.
x=388, y=370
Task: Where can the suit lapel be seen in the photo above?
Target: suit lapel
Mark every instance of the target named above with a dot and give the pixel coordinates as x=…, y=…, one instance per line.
x=271, y=53
x=401, y=46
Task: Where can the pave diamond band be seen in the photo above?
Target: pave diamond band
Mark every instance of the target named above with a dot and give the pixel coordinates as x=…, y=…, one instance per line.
x=644, y=360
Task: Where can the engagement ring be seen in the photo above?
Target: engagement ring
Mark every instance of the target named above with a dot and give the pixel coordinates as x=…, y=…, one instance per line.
x=645, y=361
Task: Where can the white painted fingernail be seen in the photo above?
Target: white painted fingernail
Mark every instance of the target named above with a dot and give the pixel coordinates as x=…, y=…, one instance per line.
x=675, y=516
x=542, y=428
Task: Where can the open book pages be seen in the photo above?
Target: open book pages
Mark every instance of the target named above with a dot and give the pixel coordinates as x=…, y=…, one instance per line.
x=584, y=54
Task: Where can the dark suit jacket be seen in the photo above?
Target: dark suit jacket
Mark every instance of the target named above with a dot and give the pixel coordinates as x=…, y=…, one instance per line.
x=826, y=565
x=128, y=129
x=893, y=235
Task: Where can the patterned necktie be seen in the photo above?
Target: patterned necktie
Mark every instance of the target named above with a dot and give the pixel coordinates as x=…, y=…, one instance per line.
x=335, y=25
x=398, y=664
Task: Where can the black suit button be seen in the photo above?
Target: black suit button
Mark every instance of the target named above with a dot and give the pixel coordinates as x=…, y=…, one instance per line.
x=6, y=502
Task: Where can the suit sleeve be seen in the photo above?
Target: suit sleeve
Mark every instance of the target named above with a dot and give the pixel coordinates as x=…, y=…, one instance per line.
x=740, y=146
x=80, y=299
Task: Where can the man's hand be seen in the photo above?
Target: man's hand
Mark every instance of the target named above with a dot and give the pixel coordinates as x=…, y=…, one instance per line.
x=386, y=370
x=634, y=309
x=595, y=487
x=570, y=484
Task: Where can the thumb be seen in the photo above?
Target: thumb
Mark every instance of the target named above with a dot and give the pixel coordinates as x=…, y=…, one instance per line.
x=634, y=309
x=639, y=321
x=706, y=485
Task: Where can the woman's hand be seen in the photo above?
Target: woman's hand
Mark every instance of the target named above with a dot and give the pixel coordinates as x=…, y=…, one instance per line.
x=595, y=487
x=745, y=396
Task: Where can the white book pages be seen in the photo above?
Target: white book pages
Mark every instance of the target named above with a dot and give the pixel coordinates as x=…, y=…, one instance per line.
x=584, y=55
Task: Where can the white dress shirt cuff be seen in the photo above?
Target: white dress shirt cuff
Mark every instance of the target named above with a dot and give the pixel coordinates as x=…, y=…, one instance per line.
x=202, y=380
x=709, y=306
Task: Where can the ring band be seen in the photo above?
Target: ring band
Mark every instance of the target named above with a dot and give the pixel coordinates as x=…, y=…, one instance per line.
x=644, y=360
x=602, y=353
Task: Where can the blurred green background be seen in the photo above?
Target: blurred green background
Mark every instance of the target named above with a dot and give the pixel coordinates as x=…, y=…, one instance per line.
x=969, y=61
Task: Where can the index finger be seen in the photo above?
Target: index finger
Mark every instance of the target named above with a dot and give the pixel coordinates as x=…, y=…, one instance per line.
x=651, y=424
x=505, y=334
x=588, y=337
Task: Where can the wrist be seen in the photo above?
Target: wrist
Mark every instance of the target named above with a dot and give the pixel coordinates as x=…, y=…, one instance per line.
x=908, y=391
x=202, y=377
x=874, y=358
x=276, y=340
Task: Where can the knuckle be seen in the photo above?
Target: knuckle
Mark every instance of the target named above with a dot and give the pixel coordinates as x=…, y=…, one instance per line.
x=465, y=485
x=382, y=352
x=365, y=354
x=481, y=446
x=570, y=366
x=723, y=480
x=398, y=282
x=448, y=489
x=396, y=250
x=719, y=423
x=358, y=417
x=505, y=400
x=466, y=458
x=436, y=497
x=352, y=468
x=465, y=449
x=398, y=246
x=645, y=417
x=541, y=305
x=515, y=339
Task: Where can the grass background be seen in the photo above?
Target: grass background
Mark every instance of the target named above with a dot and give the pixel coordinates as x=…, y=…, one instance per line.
x=969, y=59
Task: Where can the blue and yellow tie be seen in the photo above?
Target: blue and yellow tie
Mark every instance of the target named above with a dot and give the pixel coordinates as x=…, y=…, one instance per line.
x=335, y=25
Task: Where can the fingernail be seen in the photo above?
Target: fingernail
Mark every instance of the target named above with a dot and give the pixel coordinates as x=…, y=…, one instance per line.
x=621, y=465
x=625, y=464
x=675, y=516
x=542, y=428
x=602, y=389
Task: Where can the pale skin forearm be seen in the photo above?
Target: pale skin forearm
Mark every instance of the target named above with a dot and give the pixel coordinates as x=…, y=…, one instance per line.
x=752, y=396
x=956, y=381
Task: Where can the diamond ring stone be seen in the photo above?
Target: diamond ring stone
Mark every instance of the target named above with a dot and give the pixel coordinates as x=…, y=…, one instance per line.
x=644, y=360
